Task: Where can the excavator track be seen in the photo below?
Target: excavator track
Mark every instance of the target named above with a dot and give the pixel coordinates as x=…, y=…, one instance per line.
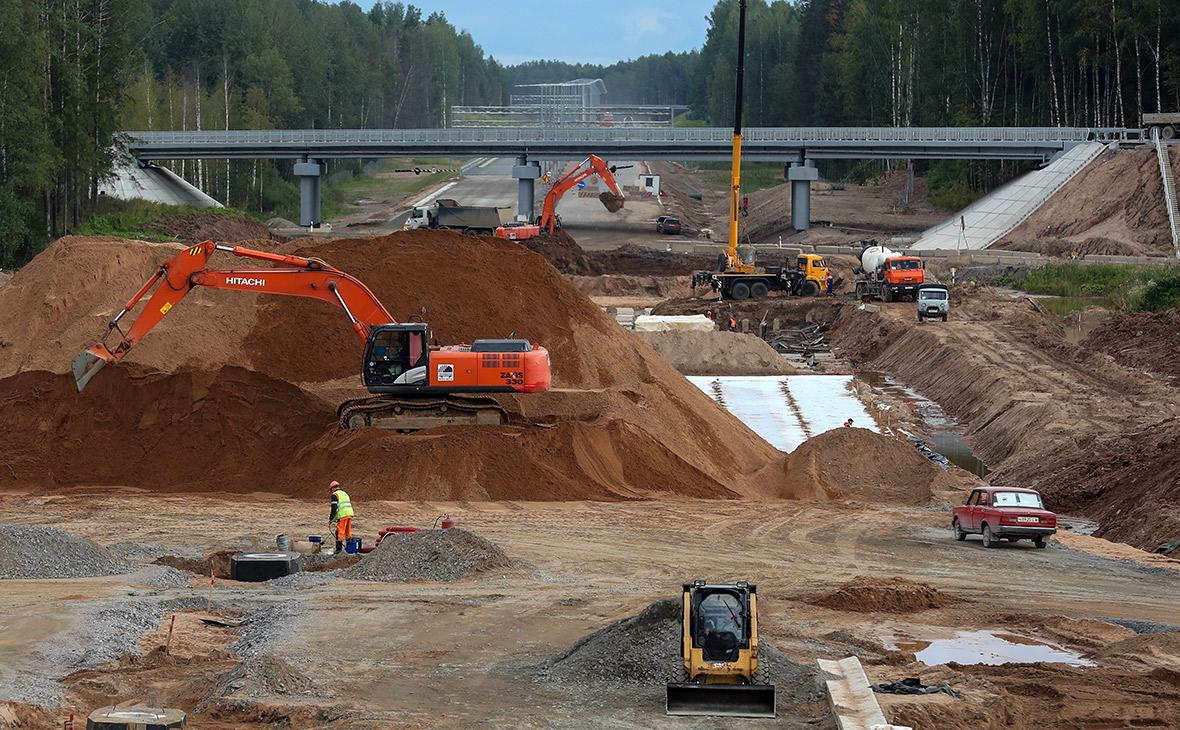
x=402, y=414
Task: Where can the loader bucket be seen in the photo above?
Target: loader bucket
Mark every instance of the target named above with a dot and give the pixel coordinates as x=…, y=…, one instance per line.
x=724, y=700
x=87, y=363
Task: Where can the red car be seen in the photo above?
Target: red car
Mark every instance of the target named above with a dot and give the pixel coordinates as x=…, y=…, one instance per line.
x=1004, y=513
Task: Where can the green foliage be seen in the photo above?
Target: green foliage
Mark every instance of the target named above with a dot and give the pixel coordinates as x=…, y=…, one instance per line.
x=755, y=175
x=1143, y=287
x=140, y=219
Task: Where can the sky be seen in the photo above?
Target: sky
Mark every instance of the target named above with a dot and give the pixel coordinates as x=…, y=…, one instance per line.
x=575, y=30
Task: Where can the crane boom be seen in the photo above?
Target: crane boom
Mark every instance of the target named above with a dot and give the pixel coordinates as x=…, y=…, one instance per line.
x=302, y=277
x=735, y=182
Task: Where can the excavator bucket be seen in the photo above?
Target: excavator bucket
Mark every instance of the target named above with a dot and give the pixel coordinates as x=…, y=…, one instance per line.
x=722, y=700
x=613, y=203
x=87, y=363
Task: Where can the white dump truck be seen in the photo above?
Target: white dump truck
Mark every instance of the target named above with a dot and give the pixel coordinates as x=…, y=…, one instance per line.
x=448, y=214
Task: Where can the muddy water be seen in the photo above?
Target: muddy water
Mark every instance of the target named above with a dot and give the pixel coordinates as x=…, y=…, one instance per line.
x=987, y=647
x=946, y=436
x=786, y=410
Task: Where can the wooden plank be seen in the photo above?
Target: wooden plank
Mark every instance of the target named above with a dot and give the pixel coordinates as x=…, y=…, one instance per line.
x=851, y=696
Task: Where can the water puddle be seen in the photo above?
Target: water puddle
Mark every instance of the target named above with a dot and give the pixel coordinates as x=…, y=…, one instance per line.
x=945, y=435
x=786, y=410
x=986, y=647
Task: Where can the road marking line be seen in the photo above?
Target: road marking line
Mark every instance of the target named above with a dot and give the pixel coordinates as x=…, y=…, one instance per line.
x=430, y=198
x=487, y=162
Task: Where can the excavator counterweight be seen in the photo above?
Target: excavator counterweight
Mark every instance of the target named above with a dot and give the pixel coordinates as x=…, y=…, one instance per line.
x=414, y=384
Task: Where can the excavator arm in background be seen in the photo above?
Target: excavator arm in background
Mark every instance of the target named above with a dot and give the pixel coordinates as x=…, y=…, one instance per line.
x=295, y=276
x=592, y=165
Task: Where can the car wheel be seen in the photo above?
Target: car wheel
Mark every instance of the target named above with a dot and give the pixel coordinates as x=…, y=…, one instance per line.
x=957, y=529
x=919, y=318
x=1039, y=542
x=740, y=290
x=989, y=540
x=759, y=290
x=887, y=296
x=944, y=318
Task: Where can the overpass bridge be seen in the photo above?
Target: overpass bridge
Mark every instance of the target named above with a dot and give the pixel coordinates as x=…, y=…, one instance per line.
x=797, y=147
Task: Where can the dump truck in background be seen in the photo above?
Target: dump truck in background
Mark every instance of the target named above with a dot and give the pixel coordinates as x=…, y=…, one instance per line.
x=448, y=214
x=1167, y=123
x=887, y=275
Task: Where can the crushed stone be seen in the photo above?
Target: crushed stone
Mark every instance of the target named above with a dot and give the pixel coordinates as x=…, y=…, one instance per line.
x=259, y=676
x=437, y=555
x=165, y=577
x=38, y=552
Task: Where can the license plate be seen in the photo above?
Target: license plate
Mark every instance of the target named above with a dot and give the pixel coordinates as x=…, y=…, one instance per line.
x=932, y=310
x=1028, y=519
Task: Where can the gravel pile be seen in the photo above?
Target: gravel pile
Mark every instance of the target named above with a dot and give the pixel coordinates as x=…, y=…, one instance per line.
x=442, y=555
x=164, y=577
x=260, y=676
x=303, y=579
x=644, y=651
x=35, y=551
x=141, y=552
x=264, y=627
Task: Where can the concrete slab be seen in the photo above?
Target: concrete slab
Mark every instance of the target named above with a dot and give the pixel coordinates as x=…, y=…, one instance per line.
x=853, y=702
x=996, y=214
x=155, y=184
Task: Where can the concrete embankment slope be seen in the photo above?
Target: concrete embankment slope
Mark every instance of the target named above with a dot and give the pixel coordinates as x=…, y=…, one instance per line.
x=990, y=218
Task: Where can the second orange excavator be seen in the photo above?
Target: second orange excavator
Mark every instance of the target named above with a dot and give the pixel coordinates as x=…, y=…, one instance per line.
x=414, y=385
x=589, y=167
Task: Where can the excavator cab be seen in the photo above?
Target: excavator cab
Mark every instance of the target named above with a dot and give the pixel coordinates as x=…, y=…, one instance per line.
x=396, y=354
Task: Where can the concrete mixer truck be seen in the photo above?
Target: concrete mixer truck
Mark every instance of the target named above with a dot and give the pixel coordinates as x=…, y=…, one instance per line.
x=887, y=275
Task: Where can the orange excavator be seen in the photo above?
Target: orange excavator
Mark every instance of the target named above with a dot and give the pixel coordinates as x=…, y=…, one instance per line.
x=592, y=165
x=414, y=384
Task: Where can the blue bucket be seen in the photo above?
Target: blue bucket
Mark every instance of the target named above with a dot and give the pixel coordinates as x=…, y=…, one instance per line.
x=353, y=545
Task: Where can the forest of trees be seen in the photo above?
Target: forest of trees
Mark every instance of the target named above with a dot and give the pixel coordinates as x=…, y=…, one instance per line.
x=77, y=71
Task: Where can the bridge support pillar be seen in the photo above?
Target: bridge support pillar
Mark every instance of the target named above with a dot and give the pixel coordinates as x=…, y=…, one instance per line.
x=801, y=174
x=308, y=172
x=526, y=174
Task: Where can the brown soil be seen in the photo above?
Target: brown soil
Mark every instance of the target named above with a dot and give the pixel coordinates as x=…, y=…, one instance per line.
x=717, y=353
x=561, y=250
x=193, y=228
x=218, y=377
x=1142, y=340
x=855, y=463
x=623, y=285
x=867, y=594
x=1095, y=438
x=611, y=202
x=1115, y=205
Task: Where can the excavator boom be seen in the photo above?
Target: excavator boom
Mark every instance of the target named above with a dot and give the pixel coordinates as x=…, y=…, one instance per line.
x=592, y=165
x=176, y=278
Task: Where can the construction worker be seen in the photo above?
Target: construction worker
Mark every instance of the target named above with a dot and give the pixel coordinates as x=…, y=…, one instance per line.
x=830, y=279
x=340, y=516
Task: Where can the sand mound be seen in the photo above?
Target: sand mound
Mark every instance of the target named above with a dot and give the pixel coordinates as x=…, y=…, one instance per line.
x=34, y=551
x=622, y=417
x=437, y=555
x=1115, y=203
x=1154, y=650
x=1142, y=340
x=717, y=353
x=855, y=463
x=865, y=594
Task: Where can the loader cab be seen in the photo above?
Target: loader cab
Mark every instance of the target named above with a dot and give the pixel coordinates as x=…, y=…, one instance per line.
x=396, y=354
x=721, y=625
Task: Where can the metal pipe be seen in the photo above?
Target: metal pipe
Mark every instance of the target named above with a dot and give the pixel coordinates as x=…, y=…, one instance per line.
x=332, y=288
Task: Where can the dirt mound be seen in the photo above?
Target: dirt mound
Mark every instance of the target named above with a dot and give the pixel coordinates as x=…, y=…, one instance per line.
x=256, y=677
x=218, y=373
x=1153, y=650
x=1115, y=203
x=37, y=552
x=1066, y=248
x=866, y=594
x=435, y=555
x=642, y=261
x=1142, y=340
x=190, y=228
x=562, y=251
x=623, y=285
x=855, y=463
x=717, y=353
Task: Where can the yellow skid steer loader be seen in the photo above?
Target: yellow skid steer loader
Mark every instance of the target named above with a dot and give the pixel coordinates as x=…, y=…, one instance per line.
x=719, y=649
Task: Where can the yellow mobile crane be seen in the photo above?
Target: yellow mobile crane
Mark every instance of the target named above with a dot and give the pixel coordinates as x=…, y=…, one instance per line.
x=737, y=277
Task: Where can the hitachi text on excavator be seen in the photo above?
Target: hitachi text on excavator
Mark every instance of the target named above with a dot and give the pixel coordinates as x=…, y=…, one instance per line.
x=414, y=385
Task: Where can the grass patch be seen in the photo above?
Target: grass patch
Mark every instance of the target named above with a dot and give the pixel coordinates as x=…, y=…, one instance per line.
x=755, y=175
x=1137, y=287
x=340, y=196
x=141, y=219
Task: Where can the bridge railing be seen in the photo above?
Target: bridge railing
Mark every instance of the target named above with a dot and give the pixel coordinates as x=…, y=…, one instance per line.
x=677, y=135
